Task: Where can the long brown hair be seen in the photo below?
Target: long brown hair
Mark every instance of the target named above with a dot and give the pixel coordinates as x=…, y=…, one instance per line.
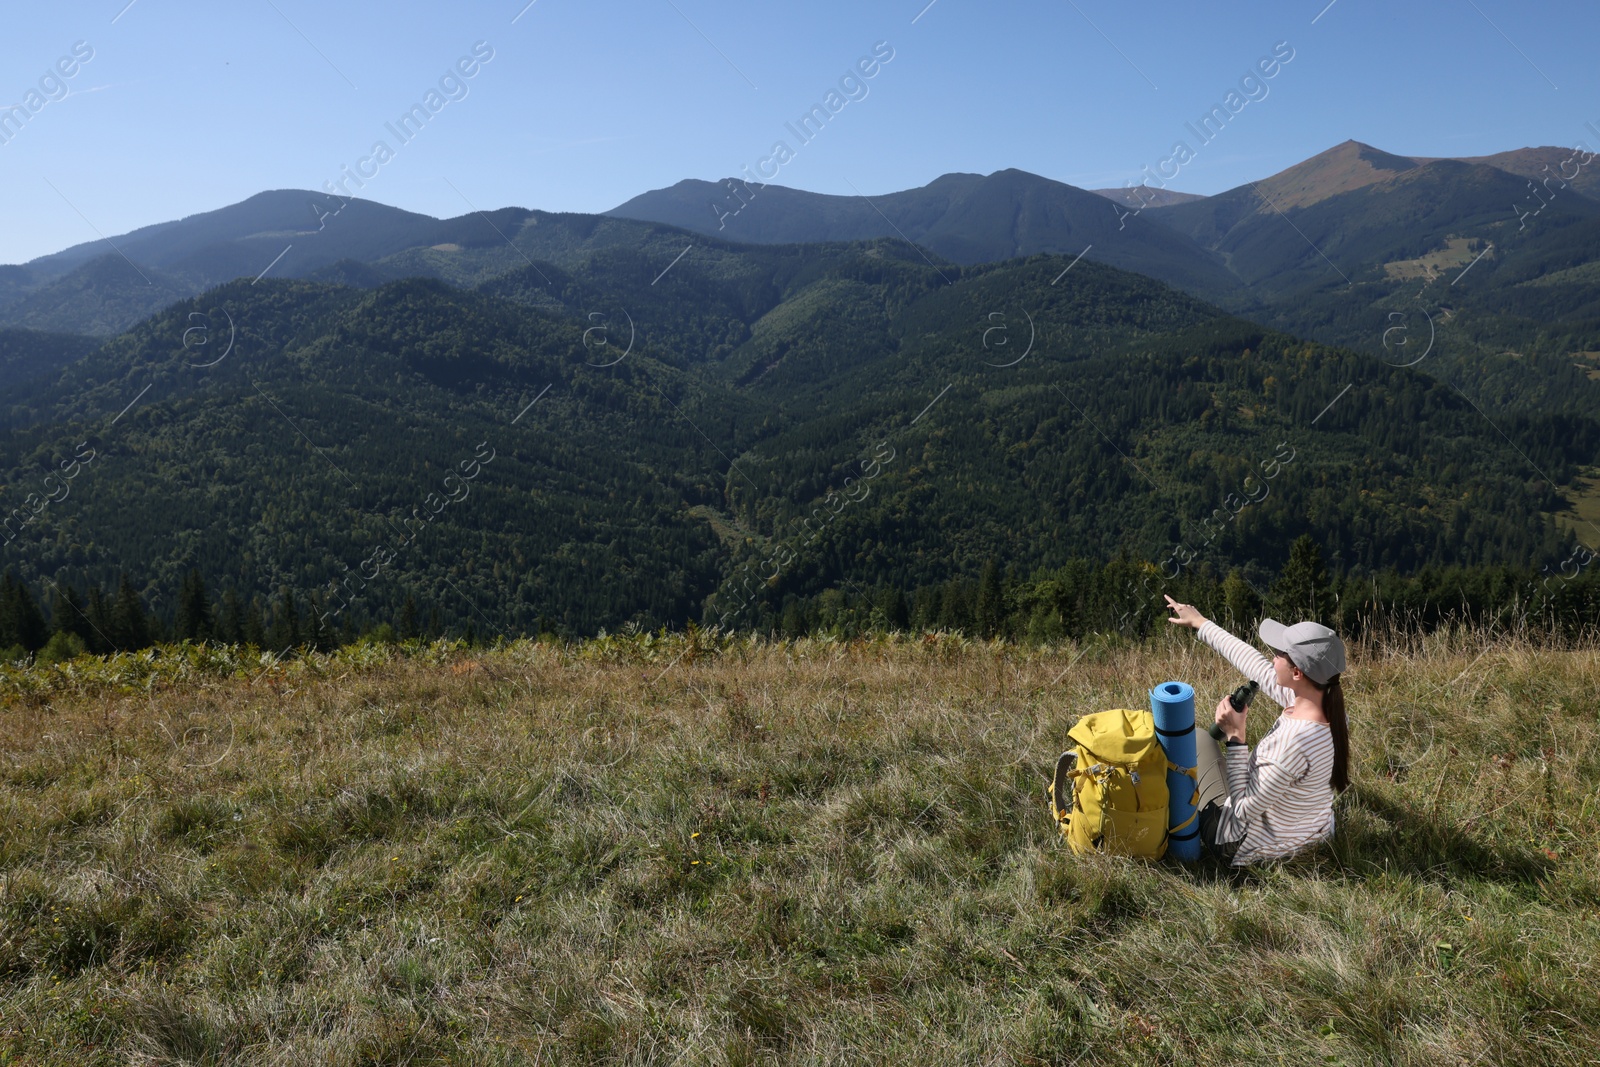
x=1333, y=710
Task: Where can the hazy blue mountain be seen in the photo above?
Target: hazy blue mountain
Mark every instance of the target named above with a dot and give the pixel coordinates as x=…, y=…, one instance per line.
x=364, y=245
x=30, y=359
x=967, y=218
x=100, y=297
x=15, y=282
x=1146, y=197
x=242, y=239
x=1331, y=248
x=1561, y=168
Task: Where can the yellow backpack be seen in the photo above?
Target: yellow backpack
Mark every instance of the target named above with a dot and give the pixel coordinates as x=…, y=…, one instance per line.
x=1110, y=791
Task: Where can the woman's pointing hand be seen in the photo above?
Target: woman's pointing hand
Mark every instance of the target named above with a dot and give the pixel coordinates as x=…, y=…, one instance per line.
x=1184, y=614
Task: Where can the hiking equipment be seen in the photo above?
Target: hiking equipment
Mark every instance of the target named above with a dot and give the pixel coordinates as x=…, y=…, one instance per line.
x=1110, y=791
x=1172, y=706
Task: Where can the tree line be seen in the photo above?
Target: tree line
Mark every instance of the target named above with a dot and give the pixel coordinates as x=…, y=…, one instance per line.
x=1123, y=596
x=1083, y=598
x=65, y=621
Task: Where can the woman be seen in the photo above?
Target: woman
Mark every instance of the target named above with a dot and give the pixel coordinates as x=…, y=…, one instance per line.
x=1275, y=801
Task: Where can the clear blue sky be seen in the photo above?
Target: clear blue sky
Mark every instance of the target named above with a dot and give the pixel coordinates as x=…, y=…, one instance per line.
x=189, y=106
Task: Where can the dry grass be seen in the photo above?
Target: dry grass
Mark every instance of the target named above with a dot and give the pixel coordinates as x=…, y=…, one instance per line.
x=817, y=853
x=1583, y=518
x=1457, y=252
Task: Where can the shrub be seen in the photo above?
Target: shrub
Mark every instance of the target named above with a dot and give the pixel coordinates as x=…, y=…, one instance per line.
x=61, y=648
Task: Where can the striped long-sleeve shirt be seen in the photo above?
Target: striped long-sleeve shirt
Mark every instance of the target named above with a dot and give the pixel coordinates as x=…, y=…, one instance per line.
x=1281, y=794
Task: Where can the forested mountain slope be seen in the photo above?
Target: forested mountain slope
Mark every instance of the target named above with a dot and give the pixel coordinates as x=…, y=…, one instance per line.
x=619, y=438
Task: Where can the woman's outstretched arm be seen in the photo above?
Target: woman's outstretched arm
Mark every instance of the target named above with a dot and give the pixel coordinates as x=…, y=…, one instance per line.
x=1245, y=659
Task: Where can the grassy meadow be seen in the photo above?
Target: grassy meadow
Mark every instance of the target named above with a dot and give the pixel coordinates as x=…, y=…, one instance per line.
x=687, y=850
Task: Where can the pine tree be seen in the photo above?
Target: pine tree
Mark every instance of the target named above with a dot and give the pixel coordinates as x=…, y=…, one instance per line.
x=254, y=628
x=347, y=629
x=286, y=622
x=68, y=615
x=8, y=620
x=1302, y=590
x=319, y=633
x=925, y=602
x=31, y=626
x=408, y=619
x=10, y=626
x=1244, y=606
x=896, y=613
x=991, y=600
x=230, y=618
x=955, y=606
x=194, y=609
x=102, y=626
x=130, y=626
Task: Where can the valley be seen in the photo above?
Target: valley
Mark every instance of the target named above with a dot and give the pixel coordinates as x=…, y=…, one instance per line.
x=699, y=398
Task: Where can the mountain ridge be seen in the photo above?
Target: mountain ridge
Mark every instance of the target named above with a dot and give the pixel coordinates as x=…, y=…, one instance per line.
x=1327, y=248
x=966, y=218
x=766, y=381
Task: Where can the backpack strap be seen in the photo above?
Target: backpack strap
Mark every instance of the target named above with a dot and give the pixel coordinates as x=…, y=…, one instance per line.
x=1193, y=774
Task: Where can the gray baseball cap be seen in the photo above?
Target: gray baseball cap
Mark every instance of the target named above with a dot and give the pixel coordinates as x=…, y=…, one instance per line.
x=1312, y=647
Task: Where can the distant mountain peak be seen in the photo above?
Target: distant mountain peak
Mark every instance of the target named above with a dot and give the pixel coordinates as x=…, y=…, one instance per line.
x=967, y=218
x=1346, y=166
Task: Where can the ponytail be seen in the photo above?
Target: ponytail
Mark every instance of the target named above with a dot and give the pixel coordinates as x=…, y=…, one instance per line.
x=1333, y=710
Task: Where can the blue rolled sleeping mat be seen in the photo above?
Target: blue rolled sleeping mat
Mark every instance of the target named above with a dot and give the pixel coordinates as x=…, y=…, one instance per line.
x=1172, y=704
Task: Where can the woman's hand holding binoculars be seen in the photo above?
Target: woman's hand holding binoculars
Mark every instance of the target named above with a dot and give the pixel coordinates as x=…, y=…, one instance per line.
x=1230, y=721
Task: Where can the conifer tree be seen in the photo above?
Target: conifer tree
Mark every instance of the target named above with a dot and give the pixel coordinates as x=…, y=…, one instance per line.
x=102, y=627
x=318, y=633
x=955, y=606
x=408, y=619
x=991, y=606
x=286, y=622
x=230, y=618
x=130, y=626
x=69, y=616
x=21, y=621
x=896, y=613
x=1244, y=606
x=194, y=609
x=254, y=629
x=1302, y=590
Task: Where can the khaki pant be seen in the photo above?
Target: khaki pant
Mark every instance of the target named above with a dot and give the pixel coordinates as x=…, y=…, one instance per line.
x=1211, y=774
x=1212, y=782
